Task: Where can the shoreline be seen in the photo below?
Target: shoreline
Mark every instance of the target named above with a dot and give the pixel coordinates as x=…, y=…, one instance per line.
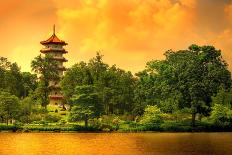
x=37, y=131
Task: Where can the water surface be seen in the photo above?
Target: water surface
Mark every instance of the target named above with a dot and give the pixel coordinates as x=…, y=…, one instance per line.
x=115, y=143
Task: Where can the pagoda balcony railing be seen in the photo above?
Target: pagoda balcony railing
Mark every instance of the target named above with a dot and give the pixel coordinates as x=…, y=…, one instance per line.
x=59, y=58
x=45, y=50
x=56, y=96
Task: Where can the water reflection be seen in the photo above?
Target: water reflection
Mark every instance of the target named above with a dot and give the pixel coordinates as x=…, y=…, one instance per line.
x=114, y=143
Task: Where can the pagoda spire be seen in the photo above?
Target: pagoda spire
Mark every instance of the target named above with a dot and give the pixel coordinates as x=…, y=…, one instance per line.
x=54, y=29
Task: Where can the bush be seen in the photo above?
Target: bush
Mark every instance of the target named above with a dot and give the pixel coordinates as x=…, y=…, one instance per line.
x=221, y=115
x=52, y=118
x=11, y=127
x=62, y=122
x=152, y=115
x=176, y=126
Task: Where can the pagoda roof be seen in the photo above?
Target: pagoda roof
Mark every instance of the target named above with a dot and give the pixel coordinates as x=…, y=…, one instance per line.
x=53, y=39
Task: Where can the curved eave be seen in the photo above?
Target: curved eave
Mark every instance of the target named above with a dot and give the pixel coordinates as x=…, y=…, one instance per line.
x=59, y=43
x=47, y=50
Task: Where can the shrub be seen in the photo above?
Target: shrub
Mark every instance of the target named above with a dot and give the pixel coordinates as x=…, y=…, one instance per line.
x=221, y=115
x=175, y=126
x=11, y=127
x=152, y=115
x=62, y=122
x=52, y=118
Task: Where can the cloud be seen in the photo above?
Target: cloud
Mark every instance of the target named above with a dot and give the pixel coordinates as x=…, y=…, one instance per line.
x=129, y=33
x=126, y=30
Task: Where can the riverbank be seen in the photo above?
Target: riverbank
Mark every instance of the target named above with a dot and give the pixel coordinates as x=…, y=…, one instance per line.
x=94, y=129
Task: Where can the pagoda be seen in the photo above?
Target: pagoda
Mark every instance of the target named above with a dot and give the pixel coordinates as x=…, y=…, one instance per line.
x=55, y=48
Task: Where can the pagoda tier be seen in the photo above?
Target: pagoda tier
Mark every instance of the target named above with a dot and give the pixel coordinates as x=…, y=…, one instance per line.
x=55, y=87
x=48, y=50
x=62, y=59
x=62, y=68
x=56, y=97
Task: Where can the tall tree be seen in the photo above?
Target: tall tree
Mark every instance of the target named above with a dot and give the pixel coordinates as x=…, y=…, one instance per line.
x=86, y=104
x=9, y=106
x=188, y=77
x=29, y=83
x=114, y=86
x=46, y=68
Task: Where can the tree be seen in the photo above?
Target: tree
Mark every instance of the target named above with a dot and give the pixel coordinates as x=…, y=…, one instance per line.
x=86, y=104
x=46, y=68
x=188, y=77
x=14, y=81
x=27, y=106
x=9, y=106
x=77, y=75
x=29, y=83
x=113, y=86
x=79, y=113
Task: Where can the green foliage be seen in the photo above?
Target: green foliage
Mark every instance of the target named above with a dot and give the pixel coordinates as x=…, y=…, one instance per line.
x=9, y=106
x=221, y=114
x=10, y=127
x=169, y=95
x=86, y=104
x=113, y=86
x=52, y=118
x=223, y=97
x=78, y=114
x=46, y=68
x=14, y=81
x=27, y=109
x=151, y=115
x=185, y=79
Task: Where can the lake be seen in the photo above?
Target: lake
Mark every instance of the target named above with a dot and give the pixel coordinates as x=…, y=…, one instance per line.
x=115, y=143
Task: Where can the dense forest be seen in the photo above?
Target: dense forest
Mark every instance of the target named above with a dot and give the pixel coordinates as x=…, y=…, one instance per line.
x=189, y=90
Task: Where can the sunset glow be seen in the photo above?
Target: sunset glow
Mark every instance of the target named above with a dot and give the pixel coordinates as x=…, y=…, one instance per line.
x=128, y=33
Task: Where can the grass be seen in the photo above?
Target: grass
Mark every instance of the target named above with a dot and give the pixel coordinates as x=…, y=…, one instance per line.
x=52, y=111
x=164, y=127
x=108, y=125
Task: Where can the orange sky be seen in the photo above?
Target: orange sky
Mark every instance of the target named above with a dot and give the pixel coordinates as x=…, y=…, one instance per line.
x=128, y=32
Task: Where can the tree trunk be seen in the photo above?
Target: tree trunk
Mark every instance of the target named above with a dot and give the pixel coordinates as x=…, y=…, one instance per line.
x=2, y=119
x=193, y=119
